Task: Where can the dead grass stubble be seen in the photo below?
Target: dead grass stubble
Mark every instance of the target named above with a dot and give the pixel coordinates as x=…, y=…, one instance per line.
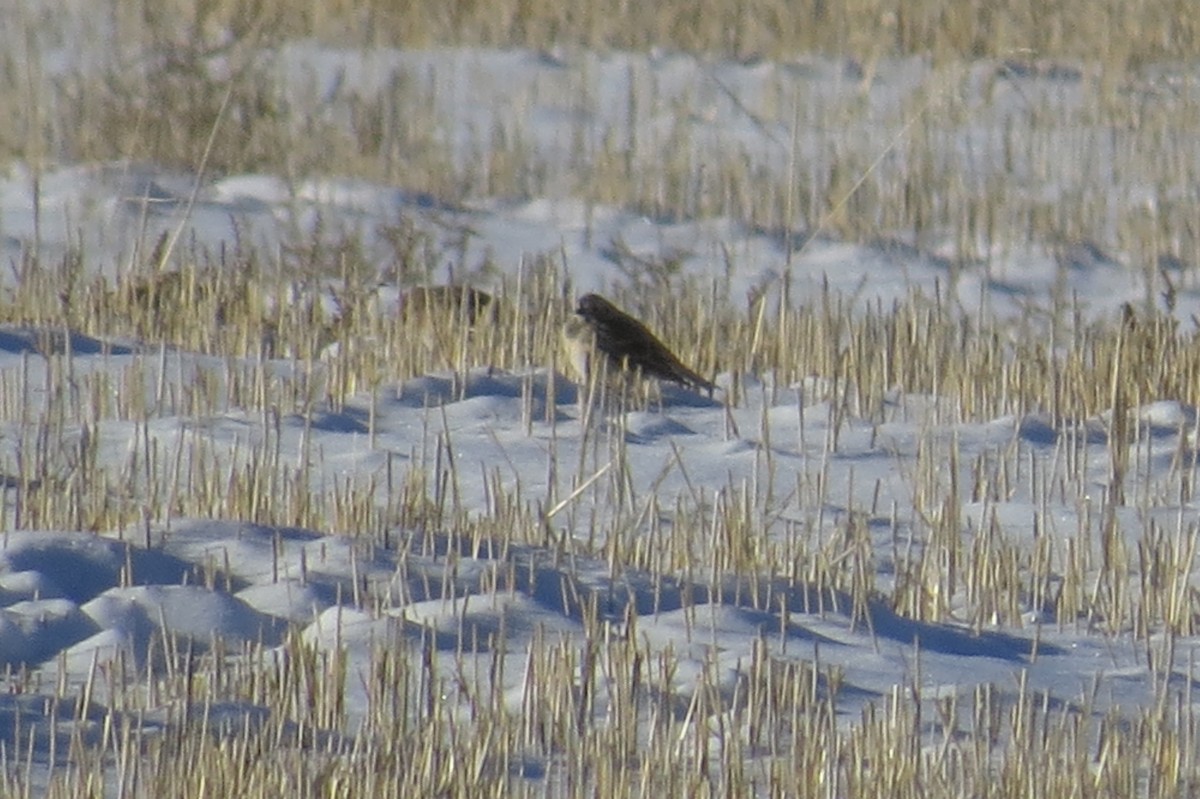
x=201, y=86
x=778, y=731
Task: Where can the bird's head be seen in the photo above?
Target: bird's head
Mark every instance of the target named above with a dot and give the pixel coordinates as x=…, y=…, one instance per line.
x=591, y=306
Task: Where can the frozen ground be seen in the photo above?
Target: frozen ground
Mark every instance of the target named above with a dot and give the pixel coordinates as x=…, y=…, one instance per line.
x=73, y=599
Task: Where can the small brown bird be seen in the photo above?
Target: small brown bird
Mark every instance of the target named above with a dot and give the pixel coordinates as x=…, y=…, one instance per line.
x=580, y=345
x=447, y=318
x=602, y=327
x=421, y=303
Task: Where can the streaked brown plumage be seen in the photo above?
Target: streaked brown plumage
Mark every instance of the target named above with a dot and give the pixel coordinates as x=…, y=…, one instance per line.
x=453, y=301
x=628, y=343
x=446, y=318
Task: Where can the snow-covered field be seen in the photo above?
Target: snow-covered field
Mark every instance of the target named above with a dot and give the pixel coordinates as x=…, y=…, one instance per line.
x=909, y=553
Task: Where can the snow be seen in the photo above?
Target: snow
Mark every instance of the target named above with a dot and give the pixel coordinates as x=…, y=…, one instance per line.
x=70, y=599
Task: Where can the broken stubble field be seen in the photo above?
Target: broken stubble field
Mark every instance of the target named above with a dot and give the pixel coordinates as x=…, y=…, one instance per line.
x=650, y=736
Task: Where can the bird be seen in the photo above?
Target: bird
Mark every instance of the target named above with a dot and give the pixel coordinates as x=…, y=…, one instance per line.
x=580, y=344
x=448, y=317
x=600, y=327
x=423, y=303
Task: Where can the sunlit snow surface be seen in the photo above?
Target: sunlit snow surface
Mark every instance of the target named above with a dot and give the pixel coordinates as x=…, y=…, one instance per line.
x=71, y=599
